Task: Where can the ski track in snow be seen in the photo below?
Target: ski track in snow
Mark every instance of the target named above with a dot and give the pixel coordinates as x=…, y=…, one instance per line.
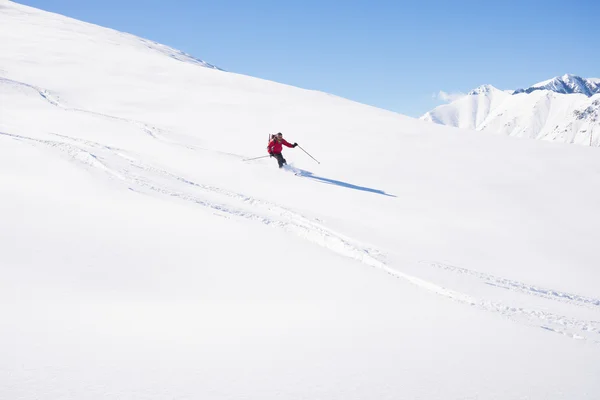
x=126, y=168
x=509, y=284
x=150, y=130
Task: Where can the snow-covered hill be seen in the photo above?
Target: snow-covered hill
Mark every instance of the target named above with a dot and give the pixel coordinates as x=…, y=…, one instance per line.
x=563, y=109
x=142, y=258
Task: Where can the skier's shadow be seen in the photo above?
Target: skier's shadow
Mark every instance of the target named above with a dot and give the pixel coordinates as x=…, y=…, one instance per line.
x=310, y=175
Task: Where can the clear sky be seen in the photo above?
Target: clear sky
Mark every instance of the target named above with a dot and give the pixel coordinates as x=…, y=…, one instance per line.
x=390, y=54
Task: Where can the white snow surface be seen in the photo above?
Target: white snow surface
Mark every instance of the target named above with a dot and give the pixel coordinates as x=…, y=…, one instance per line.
x=564, y=109
x=142, y=258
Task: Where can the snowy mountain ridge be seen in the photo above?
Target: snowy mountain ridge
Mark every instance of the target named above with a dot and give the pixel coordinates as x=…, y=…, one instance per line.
x=566, y=84
x=481, y=90
x=562, y=109
x=175, y=54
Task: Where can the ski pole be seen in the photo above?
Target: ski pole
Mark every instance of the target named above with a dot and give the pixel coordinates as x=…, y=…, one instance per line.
x=309, y=154
x=255, y=158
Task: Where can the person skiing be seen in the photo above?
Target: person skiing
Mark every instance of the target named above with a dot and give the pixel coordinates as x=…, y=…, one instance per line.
x=276, y=145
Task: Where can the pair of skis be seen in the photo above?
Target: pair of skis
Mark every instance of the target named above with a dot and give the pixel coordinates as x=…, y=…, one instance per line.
x=271, y=138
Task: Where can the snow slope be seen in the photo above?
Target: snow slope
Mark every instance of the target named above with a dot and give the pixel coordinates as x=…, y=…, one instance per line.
x=143, y=258
x=563, y=109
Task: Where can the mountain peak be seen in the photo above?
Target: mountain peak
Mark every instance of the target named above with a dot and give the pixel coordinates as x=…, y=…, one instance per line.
x=552, y=114
x=566, y=84
x=481, y=90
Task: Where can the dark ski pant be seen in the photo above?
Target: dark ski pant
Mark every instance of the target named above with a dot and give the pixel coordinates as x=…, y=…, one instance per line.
x=280, y=159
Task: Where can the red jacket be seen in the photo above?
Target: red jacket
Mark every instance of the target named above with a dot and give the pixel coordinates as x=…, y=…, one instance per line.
x=275, y=146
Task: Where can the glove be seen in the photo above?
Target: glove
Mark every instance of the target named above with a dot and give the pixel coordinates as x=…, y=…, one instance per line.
x=295, y=144
x=270, y=154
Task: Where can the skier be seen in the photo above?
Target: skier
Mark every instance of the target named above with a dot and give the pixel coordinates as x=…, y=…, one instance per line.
x=275, y=146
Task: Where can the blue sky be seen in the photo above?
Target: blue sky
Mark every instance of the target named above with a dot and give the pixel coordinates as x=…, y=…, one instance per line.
x=390, y=54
